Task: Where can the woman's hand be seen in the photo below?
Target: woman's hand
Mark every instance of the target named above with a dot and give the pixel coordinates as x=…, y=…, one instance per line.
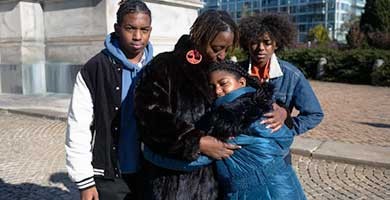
x=215, y=148
x=276, y=118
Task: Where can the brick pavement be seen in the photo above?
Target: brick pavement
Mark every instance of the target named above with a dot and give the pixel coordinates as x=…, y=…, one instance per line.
x=328, y=180
x=32, y=166
x=357, y=114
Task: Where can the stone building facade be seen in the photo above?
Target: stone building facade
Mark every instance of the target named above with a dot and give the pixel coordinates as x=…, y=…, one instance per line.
x=43, y=43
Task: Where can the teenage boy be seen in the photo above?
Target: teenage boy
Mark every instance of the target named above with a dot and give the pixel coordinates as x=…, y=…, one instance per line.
x=102, y=146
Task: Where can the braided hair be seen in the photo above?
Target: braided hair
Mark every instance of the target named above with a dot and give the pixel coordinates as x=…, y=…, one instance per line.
x=207, y=26
x=131, y=6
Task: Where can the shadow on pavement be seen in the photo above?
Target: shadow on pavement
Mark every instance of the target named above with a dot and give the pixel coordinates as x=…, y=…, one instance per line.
x=377, y=125
x=34, y=191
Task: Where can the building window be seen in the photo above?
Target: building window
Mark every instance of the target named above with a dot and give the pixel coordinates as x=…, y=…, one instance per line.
x=284, y=2
x=302, y=28
x=293, y=9
x=283, y=9
x=344, y=17
x=345, y=6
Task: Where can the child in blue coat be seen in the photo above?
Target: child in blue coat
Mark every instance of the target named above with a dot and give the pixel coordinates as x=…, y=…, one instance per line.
x=257, y=170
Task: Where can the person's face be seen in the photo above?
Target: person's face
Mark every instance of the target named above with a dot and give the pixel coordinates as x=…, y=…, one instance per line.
x=224, y=82
x=134, y=33
x=217, y=49
x=260, y=51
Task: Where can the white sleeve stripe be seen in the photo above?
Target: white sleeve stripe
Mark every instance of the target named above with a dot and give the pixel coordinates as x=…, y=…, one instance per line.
x=98, y=174
x=88, y=181
x=85, y=180
x=78, y=135
x=87, y=185
x=98, y=170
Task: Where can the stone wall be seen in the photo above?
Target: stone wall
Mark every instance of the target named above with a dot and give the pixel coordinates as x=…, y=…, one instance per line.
x=22, y=47
x=44, y=43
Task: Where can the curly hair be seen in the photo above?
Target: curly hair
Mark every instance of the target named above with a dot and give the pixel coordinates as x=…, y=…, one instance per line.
x=207, y=26
x=278, y=26
x=131, y=6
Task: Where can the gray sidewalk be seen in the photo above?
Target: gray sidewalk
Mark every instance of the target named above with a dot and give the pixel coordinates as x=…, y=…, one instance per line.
x=52, y=106
x=55, y=106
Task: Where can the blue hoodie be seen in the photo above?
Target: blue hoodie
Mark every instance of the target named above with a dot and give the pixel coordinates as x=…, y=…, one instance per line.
x=129, y=146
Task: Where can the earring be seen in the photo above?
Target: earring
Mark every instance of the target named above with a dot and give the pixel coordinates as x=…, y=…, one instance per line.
x=194, y=57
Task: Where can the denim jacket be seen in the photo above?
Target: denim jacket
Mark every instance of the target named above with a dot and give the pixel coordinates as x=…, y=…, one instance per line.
x=293, y=90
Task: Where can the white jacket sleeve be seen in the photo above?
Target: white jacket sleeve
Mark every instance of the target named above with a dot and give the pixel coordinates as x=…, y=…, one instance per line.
x=78, y=144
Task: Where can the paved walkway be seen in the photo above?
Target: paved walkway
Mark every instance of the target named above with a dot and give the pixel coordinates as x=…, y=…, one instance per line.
x=346, y=157
x=356, y=127
x=32, y=159
x=32, y=166
x=355, y=114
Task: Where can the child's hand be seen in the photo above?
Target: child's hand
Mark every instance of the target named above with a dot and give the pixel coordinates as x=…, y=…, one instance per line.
x=216, y=149
x=276, y=118
x=89, y=194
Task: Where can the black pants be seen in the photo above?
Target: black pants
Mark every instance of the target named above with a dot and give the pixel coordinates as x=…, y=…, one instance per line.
x=124, y=188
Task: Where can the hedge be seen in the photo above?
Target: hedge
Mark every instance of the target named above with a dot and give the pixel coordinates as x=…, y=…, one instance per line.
x=349, y=66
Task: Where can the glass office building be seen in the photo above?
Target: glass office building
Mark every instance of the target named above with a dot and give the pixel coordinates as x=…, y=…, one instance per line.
x=305, y=13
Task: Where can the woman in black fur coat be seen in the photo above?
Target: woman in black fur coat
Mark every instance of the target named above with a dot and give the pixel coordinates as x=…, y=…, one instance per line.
x=171, y=96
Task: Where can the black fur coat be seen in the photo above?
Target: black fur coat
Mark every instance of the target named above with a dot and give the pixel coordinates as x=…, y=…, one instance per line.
x=171, y=96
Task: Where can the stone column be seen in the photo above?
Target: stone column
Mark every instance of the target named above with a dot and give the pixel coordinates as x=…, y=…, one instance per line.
x=22, y=54
x=43, y=43
x=75, y=31
x=170, y=20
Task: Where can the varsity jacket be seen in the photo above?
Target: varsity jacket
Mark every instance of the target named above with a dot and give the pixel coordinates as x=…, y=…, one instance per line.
x=94, y=121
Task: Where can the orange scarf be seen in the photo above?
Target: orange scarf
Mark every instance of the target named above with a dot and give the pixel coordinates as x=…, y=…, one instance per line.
x=262, y=73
